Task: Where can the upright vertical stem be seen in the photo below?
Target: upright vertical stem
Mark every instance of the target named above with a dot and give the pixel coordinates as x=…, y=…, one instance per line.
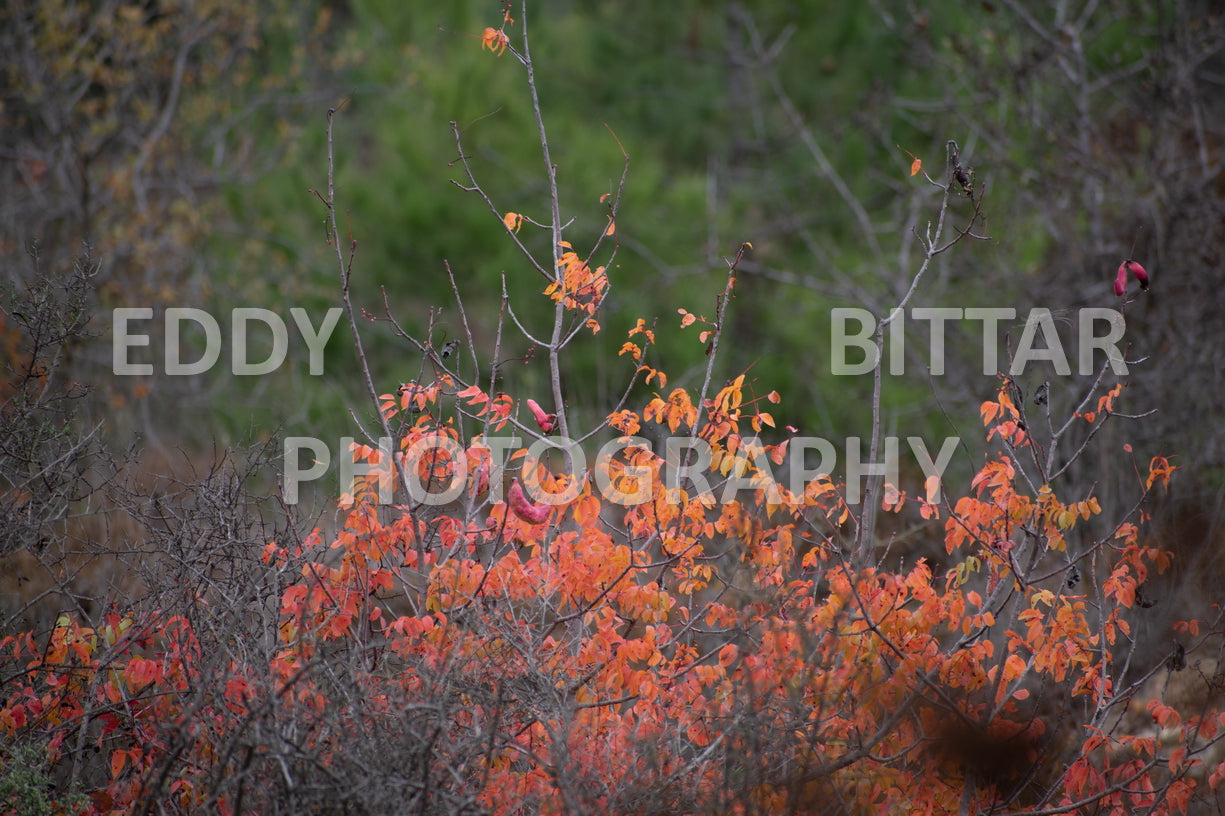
x=559, y=312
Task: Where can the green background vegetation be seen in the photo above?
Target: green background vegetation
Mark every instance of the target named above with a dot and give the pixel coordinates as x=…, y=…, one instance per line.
x=1092, y=136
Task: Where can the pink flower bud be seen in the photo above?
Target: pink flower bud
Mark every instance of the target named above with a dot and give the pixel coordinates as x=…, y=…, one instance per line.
x=546, y=422
x=524, y=509
x=1120, y=280
x=1140, y=274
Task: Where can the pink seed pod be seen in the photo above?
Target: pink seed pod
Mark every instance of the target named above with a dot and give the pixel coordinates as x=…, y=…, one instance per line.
x=546, y=422
x=1140, y=274
x=524, y=509
x=1120, y=280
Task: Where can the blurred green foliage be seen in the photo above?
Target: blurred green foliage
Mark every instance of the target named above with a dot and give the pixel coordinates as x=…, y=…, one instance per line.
x=698, y=95
x=660, y=78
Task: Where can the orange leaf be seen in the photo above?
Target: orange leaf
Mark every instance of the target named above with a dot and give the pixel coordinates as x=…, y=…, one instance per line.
x=495, y=40
x=630, y=349
x=473, y=394
x=641, y=328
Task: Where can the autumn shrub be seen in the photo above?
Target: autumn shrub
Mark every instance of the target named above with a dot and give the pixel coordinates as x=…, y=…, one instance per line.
x=665, y=612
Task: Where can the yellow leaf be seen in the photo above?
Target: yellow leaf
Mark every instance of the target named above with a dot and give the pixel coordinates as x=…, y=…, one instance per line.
x=931, y=488
x=612, y=227
x=725, y=467
x=915, y=167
